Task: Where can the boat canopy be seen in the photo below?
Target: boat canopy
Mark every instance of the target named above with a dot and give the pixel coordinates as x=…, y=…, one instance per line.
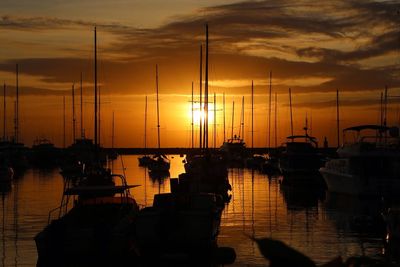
x=311, y=138
x=367, y=127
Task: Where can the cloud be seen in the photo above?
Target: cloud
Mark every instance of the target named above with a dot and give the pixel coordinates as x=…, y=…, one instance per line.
x=304, y=40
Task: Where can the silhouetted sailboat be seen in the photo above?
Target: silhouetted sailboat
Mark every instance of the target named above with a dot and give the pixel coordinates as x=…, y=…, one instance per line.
x=253, y=161
x=145, y=160
x=159, y=165
x=13, y=151
x=300, y=155
x=234, y=149
x=207, y=172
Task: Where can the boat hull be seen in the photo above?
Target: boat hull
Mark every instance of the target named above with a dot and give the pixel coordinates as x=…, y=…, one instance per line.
x=352, y=184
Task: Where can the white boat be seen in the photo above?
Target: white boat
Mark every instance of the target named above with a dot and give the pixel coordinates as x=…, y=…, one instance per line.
x=370, y=165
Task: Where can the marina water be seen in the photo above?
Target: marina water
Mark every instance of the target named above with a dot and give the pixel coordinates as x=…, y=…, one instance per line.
x=316, y=223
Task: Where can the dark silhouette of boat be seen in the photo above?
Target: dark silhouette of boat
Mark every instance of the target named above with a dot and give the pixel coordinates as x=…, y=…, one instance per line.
x=234, y=151
x=6, y=171
x=369, y=165
x=44, y=153
x=15, y=154
x=300, y=156
x=159, y=164
x=96, y=216
x=179, y=222
x=99, y=225
x=206, y=173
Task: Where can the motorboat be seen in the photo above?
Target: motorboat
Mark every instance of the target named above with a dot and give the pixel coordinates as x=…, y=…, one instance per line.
x=94, y=221
x=300, y=155
x=367, y=165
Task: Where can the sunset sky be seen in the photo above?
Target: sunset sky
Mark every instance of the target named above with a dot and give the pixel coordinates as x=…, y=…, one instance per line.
x=312, y=47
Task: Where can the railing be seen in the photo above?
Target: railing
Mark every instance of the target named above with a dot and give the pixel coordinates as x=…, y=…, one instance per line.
x=59, y=208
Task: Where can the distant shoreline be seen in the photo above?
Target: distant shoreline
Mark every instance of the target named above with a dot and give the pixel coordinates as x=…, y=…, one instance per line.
x=180, y=150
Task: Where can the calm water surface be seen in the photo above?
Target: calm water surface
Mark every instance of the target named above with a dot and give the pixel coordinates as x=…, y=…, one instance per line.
x=321, y=226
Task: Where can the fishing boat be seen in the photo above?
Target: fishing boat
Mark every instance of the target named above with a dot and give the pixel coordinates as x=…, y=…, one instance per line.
x=367, y=165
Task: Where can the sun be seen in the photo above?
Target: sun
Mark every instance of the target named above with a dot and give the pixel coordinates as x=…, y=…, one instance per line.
x=198, y=114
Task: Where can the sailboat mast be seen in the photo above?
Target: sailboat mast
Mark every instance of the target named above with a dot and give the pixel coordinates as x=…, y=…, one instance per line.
x=252, y=115
x=82, y=134
x=291, y=114
x=192, y=125
x=224, y=116
x=242, y=121
x=206, y=95
x=215, y=121
x=98, y=117
x=385, y=107
x=73, y=113
x=4, y=113
x=201, y=98
x=158, y=110
x=233, y=118
x=276, y=120
x=145, y=123
x=95, y=88
x=385, y=111
x=16, y=122
x=269, y=110
x=337, y=118
x=112, y=132
x=64, y=122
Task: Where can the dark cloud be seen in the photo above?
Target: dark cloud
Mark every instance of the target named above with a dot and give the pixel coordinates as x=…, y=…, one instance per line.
x=236, y=30
x=46, y=23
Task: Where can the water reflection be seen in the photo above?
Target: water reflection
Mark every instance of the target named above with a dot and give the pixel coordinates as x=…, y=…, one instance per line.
x=318, y=225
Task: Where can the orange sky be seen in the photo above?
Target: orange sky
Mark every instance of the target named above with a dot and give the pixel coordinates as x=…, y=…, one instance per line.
x=312, y=48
